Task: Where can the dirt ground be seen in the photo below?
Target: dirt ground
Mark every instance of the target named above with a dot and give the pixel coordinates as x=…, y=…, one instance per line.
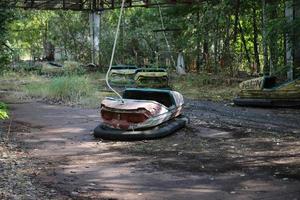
x=225, y=152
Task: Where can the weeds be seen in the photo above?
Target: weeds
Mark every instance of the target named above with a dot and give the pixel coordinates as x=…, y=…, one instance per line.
x=13, y=81
x=85, y=91
x=73, y=68
x=88, y=90
x=70, y=88
x=66, y=89
x=206, y=86
x=79, y=90
x=68, y=68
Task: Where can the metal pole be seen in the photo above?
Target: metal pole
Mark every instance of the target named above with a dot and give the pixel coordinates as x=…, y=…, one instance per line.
x=99, y=39
x=198, y=40
x=92, y=33
x=122, y=40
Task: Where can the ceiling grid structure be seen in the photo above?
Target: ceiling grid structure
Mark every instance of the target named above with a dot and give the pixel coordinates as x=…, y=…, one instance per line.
x=92, y=5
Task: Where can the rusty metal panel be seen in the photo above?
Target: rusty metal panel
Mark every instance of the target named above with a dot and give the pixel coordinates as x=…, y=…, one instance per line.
x=91, y=5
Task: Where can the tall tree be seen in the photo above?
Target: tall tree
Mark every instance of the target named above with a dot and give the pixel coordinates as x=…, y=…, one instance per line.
x=296, y=26
x=236, y=20
x=5, y=17
x=245, y=44
x=272, y=9
x=255, y=39
x=265, y=44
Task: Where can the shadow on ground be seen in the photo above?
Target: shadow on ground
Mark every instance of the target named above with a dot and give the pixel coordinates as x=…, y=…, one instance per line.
x=199, y=162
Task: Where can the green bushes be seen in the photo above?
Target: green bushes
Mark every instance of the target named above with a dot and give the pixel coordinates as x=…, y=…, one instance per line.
x=50, y=70
x=69, y=88
x=73, y=68
x=206, y=86
x=68, y=68
x=3, y=111
x=27, y=66
x=65, y=88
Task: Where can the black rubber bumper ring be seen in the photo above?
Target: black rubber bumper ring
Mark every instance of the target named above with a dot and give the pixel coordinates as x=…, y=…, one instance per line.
x=163, y=130
x=267, y=102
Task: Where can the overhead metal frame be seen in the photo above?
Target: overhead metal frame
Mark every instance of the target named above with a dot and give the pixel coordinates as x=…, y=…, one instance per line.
x=92, y=5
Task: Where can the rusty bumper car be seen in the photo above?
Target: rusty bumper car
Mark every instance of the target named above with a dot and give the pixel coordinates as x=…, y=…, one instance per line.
x=143, y=114
x=122, y=75
x=266, y=92
x=152, y=78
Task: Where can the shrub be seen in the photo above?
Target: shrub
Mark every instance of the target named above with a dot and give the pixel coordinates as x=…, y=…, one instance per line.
x=50, y=70
x=73, y=68
x=69, y=88
x=27, y=66
x=3, y=111
x=65, y=88
x=4, y=60
x=69, y=68
x=206, y=86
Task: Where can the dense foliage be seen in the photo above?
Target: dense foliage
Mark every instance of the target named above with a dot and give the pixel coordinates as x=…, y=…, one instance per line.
x=215, y=36
x=3, y=111
x=5, y=50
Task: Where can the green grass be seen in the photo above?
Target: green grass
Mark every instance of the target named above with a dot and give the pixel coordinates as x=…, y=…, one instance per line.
x=70, y=68
x=79, y=90
x=73, y=68
x=13, y=81
x=90, y=89
x=206, y=87
x=86, y=91
x=66, y=88
x=71, y=88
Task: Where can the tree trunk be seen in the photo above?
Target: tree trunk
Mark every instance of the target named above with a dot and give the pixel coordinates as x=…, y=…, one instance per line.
x=236, y=20
x=49, y=51
x=273, y=38
x=99, y=43
x=216, y=55
x=94, y=33
x=216, y=49
x=198, y=40
x=296, y=68
x=245, y=44
x=205, y=52
x=265, y=46
x=122, y=41
x=255, y=43
x=227, y=38
x=226, y=51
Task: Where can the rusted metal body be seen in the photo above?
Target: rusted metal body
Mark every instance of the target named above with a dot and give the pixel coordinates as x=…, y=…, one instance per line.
x=121, y=75
x=152, y=78
x=129, y=75
x=264, y=91
x=142, y=108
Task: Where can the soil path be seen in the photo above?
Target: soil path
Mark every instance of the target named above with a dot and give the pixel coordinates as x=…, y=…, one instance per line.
x=75, y=165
